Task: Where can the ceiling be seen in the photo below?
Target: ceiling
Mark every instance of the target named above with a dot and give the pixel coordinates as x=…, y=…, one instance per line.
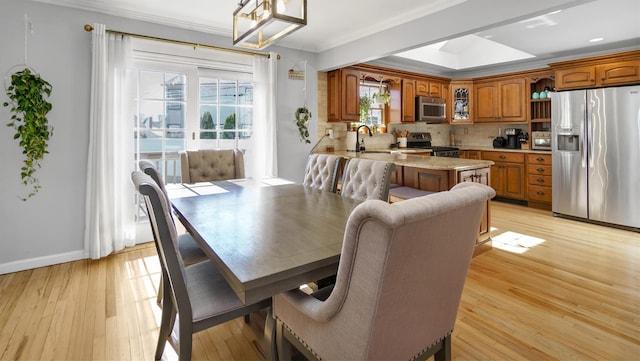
x=462, y=37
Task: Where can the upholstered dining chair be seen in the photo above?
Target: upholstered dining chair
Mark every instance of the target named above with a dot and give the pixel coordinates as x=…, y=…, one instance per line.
x=365, y=179
x=207, y=165
x=399, y=283
x=190, y=251
x=323, y=171
x=197, y=294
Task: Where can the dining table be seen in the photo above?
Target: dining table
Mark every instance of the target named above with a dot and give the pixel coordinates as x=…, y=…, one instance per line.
x=266, y=236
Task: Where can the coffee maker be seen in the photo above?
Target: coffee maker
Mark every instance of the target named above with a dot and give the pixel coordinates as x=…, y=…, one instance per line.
x=513, y=135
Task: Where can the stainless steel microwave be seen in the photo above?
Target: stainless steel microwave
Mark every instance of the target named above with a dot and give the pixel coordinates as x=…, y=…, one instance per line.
x=431, y=110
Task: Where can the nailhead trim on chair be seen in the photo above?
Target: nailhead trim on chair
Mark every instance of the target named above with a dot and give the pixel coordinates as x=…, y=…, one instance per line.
x=414, y=357
x=419, y=354
x=300, y=340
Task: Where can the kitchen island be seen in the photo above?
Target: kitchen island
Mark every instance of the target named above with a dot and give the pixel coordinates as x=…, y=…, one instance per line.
x=433, y=174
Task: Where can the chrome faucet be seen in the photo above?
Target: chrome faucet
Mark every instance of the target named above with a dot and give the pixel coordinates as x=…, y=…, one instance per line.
x=358, y=148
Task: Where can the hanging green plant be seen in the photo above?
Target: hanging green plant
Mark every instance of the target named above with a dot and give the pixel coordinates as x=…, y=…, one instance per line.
x=29, y=107
x=365, y=106
x=303, y=115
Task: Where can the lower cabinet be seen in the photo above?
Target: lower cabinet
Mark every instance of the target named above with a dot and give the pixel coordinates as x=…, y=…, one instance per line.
x=539, y=180
x=428, y=180
x=507, y=174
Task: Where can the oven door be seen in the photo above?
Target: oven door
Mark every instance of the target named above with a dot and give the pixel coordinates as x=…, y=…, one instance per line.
x=541, y=143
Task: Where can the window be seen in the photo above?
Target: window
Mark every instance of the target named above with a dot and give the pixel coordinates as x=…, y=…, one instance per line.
x=372, y=110
x=226, y=110
x=189, y=99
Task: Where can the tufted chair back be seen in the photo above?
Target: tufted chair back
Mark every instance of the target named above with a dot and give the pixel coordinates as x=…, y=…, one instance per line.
x=365, y=179
x=322, y=172
x=207, y=165
x=400, y=279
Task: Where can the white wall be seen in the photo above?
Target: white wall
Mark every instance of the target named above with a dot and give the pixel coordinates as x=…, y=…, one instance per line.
x=49, y=227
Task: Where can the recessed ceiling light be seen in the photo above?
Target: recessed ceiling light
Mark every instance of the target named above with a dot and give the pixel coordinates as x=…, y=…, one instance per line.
x=554, y=12
x=595, y=40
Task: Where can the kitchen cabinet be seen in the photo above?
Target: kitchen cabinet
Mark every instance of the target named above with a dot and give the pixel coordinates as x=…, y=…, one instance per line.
x=408, y=100
x=608, y=70
x=471, y=154
x=343, y=91
x=497, y=101
x=429, y=88
x=507, y=174
x=397, y=176
x=481, y=175
x=428, y=179
x=539, y=180
x=461, y=97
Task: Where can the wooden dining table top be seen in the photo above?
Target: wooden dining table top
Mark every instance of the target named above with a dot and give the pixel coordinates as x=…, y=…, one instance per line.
x=266, y=237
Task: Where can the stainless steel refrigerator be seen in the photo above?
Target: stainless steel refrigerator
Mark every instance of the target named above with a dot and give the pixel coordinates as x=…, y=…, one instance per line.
x=596, y=154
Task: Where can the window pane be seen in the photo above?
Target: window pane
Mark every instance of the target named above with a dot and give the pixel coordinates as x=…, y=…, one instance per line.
x=175, y=86
x=208, y=116
x=151, y=85
x=245, y=93
x=227, y=117
x=208, y=90
x=227, y=92
x=245, y=121
x=175, y=115
x=151, y=114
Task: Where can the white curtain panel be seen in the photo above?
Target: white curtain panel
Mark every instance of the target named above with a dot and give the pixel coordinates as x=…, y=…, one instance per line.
x=263, y=160
x=110, y=210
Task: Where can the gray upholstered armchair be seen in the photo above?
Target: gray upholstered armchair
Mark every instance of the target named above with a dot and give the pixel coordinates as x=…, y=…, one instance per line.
x=207, y=165
x=399, y=282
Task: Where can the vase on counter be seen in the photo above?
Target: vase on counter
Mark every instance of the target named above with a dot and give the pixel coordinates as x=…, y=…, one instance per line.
x=402, y=142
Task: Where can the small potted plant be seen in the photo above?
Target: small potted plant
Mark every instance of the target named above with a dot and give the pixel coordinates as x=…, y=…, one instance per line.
x=303, y=115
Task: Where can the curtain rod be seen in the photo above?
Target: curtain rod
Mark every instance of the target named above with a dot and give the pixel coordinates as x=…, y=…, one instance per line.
x=89, y=28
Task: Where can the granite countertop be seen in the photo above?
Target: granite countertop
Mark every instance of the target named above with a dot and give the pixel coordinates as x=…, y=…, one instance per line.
x=417, y=161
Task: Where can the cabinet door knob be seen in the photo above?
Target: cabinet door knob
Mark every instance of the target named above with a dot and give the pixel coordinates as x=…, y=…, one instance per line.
x=539, y=159
x=540, y=193
x=502, y=156
x=540, y=180
x=540, y=169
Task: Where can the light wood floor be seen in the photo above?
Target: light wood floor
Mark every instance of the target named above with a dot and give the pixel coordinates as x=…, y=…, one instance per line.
x=550, y=289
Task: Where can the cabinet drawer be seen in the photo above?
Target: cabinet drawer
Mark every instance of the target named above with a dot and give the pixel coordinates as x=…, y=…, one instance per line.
x=539, y=159
x=539, y=169
x=510, y=157
x=540, y=180
x=539, y=193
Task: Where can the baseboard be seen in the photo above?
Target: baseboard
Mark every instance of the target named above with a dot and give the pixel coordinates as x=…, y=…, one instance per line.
x=41, y=261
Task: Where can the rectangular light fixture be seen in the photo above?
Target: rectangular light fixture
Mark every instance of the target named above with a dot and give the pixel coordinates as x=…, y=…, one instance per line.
x=259, y=23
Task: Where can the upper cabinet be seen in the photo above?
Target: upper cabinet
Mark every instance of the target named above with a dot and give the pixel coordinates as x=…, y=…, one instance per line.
x=460, y=111
x=429, y=88
x=617, y=69
x=500, y=100
x=408, y=100
x=343, y=88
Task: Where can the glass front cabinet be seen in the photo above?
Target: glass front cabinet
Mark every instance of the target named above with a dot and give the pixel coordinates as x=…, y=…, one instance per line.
x=461, y=106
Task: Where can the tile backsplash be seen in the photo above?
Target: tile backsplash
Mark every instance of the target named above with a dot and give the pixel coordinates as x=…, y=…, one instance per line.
x=481, y=135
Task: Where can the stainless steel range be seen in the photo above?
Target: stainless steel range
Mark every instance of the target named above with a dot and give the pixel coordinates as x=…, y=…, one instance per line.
x=423, y=141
